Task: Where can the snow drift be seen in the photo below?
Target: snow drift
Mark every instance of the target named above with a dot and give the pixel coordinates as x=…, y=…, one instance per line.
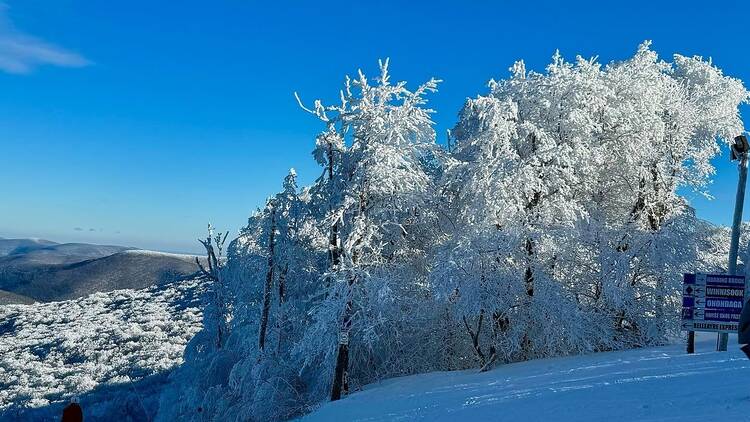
x=655, y=384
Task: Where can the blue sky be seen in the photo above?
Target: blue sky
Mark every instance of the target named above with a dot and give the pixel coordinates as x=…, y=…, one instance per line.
x=136, y=122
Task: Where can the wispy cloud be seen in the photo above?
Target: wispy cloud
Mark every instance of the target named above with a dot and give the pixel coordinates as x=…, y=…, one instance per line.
x=21, y=53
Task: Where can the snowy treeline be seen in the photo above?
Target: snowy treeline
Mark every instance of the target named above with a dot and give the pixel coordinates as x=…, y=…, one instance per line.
x=52, y=352
x=552, y=223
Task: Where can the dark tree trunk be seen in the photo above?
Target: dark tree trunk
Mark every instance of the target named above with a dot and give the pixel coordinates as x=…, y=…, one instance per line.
x=475, y=338
x=334, y=245
x=282, y=284
x=340, y=382
x=529, y=247
x=333, y=241
x=528, y=276
x=269, y=282
x=282, y=294
x=341, y=373
x=657, y=212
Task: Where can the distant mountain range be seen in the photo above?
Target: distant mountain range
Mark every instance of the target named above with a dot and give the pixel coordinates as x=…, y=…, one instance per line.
x=44, y=271
x=8, y=246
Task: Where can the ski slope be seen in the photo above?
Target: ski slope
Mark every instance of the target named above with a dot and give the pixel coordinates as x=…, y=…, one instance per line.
x=656, y=384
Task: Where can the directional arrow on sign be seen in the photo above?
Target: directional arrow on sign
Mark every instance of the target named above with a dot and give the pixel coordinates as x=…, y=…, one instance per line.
x=691, y=290
x=700, y=279
x=699, y=314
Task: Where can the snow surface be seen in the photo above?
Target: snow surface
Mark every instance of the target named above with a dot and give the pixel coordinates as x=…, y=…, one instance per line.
x=147, y=252
x=654, y=384
x=50, y=352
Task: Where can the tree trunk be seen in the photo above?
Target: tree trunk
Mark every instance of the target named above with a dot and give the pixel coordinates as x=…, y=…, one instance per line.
x=528, y=276
x=475, y=338
x=529, y=282
x=282, y=284
x=529, y=247
x=340, y=383
x=334, y=245
x=282, y=294
x=334, y=238
x=269, y=282
x=341, y=373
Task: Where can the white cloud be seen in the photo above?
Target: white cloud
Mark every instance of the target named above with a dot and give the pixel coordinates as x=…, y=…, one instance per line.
x=21, y=53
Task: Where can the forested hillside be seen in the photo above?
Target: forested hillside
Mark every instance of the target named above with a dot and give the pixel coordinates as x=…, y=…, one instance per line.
x=110, y=350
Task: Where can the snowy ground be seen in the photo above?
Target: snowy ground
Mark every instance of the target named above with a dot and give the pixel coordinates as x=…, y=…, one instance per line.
x=657, y=384
x=50, y=352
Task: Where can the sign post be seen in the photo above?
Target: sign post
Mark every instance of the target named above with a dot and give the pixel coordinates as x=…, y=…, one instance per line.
x=739, y=152
x=711, y=302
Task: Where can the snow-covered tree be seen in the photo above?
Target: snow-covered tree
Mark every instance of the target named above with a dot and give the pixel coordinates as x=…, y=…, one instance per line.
x=563, y=202
x=375, y=192
x=554, y=223
x=217, y=311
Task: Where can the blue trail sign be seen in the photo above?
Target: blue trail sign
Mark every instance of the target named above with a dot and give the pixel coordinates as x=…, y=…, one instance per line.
x=712, y=302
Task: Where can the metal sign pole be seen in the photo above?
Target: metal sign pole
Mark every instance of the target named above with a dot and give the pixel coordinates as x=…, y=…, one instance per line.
x=691, y=342
x=721, y=343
